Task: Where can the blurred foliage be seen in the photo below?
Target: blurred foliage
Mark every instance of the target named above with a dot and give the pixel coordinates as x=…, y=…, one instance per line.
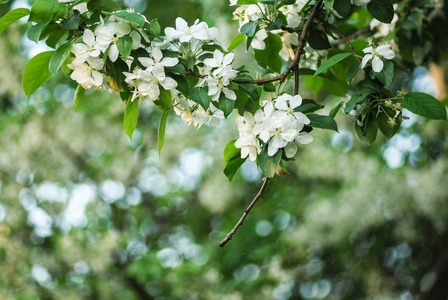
x=87, y=214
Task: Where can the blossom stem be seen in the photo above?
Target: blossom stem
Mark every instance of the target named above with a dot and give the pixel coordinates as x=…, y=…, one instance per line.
x=354, y=36
x=332, y=27
x=246, y=212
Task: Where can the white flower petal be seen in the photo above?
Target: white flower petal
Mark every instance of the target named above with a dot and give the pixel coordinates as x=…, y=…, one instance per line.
x=290, y=150
x=365, y=60
x=377, y=64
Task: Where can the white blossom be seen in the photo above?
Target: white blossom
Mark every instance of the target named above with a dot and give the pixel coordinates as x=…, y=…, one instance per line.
x=375, y=54
x=87, y=73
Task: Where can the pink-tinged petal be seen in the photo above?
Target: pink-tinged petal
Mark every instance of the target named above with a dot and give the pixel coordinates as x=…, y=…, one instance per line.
x=304, y=138
x=365, y=60
x=377, y=64
x=88, y=37
x=290, y=150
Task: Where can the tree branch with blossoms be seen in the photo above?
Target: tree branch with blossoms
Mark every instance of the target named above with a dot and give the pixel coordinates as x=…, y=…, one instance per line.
x=186, y=68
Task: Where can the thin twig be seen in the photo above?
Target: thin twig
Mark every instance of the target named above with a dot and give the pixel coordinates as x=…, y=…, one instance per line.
x=246, y=212
x=332, y=27
x=354, y=36
x=294, y=63
x=291, y=29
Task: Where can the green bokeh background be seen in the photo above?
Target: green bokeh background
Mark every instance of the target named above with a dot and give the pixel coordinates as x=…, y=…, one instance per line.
x=87, y=214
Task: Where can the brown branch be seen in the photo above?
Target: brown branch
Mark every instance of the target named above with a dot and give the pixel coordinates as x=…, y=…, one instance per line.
x=296, y=81
x=291, y=29
x=332, y=27
x=190, y=72
x=246, y=212
x=354, y=36
x=294, y=63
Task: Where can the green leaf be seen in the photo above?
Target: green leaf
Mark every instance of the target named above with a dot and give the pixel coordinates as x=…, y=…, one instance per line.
x=12, y=16
x=318, y=40
x=371, y=128
x=368, y=86
x=249, y=89
x=331, y=62
x=165, y=98
x=342, y=7
x=424, y=105
x=354, y=100
x=200, y=96
x=59, y=56
x=124, y=45
x=268, y=164
x=270, y=57
x=382, y=119
x=162, y=130
x=130, y=16
x=232, y=159
x=276, y=25
x=79, y=94
x=226, y=105
x=103, y=5
x=308, y=106
x=242, y=2
x=382, y=10
x=154, y=27
x=36, y=72
x=35, y=31
x=73, y=23
x=413, y=21
x=47, y=10
x=336, y=109
x=236, y=41
x=249, y=28
x=352, y=71
x=130, y=117
x=323, y=122
x=387, y=74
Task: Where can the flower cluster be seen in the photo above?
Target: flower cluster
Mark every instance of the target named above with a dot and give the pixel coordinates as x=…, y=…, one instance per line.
x=88, y=63
x=277, y=125
x=216, y=70
x=192, y=113
x=144, y=82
